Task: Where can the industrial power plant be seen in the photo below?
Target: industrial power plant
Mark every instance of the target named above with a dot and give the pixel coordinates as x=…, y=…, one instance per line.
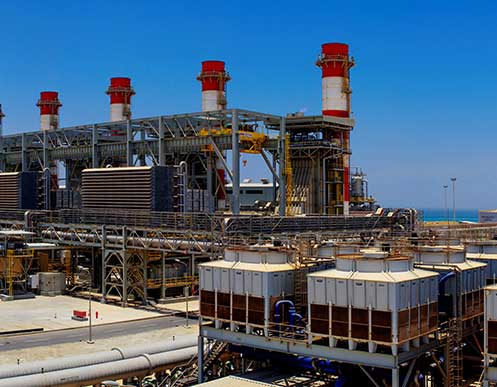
x=301, y=279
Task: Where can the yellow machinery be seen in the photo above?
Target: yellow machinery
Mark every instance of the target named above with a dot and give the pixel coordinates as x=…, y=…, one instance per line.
x=14, y=267
x=251, y=141
x=16, y=260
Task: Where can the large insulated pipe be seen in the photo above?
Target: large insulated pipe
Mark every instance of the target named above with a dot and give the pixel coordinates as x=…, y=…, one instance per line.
x=335, y=65
x=143, y=364
x=120, y=92
x=49, y=105
x=150, y=242
x=116, y=354
x=214, y=78
x=1, y=120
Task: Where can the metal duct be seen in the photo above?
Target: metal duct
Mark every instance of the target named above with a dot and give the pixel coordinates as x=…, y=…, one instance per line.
x=93, y=374
x=51, y=365
x=130, y=188
x=18, y=190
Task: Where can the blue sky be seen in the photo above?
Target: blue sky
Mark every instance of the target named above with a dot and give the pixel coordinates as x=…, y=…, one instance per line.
x=424, y=84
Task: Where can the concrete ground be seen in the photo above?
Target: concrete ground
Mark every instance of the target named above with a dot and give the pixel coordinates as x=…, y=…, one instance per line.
x=75, y=348
x=193, y=306
x=51, y=313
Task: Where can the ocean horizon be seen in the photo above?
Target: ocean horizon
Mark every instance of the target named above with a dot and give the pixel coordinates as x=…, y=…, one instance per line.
x=440, y=214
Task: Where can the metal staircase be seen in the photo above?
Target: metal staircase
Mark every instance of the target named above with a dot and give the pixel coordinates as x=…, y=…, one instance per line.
x=454, y=353
x=187, y=374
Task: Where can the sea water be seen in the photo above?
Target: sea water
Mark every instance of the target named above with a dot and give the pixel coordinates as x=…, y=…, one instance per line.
x=440, y=214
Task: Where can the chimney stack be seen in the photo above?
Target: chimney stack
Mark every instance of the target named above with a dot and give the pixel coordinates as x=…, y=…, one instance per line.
x=49, y=105
x=120, y=92
x=214, y=78
x=335, y=65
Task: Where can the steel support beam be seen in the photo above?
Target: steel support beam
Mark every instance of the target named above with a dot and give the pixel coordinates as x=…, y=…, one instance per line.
x=369, y=376
x=129, y=144
x=221, y=157
x=200, y=358
x=409, y=372
x=95, y=162
x=45, y=150
x=302, y=348
x=24, y=157
x=282, y=158
x=276, y=178
x=162, y=147
x=235, y=150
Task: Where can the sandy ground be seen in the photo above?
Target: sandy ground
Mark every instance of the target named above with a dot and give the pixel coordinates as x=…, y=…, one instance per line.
x=52, y=313
x=193, y=306
x=75, y=348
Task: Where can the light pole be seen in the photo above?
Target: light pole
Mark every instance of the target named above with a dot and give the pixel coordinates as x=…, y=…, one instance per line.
x=90, y=336
x=186, y=289
x=446, y=208
x=453, y=180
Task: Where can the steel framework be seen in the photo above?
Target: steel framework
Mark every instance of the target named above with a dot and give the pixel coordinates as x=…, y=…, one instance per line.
x=162, y=140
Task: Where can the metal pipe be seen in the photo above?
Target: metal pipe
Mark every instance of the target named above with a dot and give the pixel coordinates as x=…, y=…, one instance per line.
x=282, y=170
x=142, y=364
x=118, y=240
x=235, y=160
x=86, y=360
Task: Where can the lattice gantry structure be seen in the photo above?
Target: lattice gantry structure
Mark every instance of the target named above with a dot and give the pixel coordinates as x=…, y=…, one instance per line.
x=198, y=141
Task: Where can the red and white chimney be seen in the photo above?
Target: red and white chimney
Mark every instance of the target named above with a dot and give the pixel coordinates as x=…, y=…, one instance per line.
x=120, y=92
x=214, y=78
x=335, y=65
x=49, y=105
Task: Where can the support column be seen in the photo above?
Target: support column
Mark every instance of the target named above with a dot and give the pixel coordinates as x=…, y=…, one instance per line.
x=282, y=157
x=45, y=150
x=145, y=277
x=95, y=162
x=395, y=378
x=24, y=160
x=104, y=284
x=162, y=147
x=210, y=185
x=129, y=144
x=200, y=357
x=235, y=149
x=163, y=278
x=125, y=257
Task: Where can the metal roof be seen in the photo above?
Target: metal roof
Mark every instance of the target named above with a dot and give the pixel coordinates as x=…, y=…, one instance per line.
x=259, y=267
x=484, y=256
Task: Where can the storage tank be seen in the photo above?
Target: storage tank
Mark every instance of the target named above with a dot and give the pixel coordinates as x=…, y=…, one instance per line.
x=374, y=298
x=484, y=251
x=461, y=281
x=244, y=287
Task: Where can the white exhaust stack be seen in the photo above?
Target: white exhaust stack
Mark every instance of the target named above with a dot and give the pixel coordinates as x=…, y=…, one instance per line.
x=49, y=105
x=120, y=92
x=214, y=78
